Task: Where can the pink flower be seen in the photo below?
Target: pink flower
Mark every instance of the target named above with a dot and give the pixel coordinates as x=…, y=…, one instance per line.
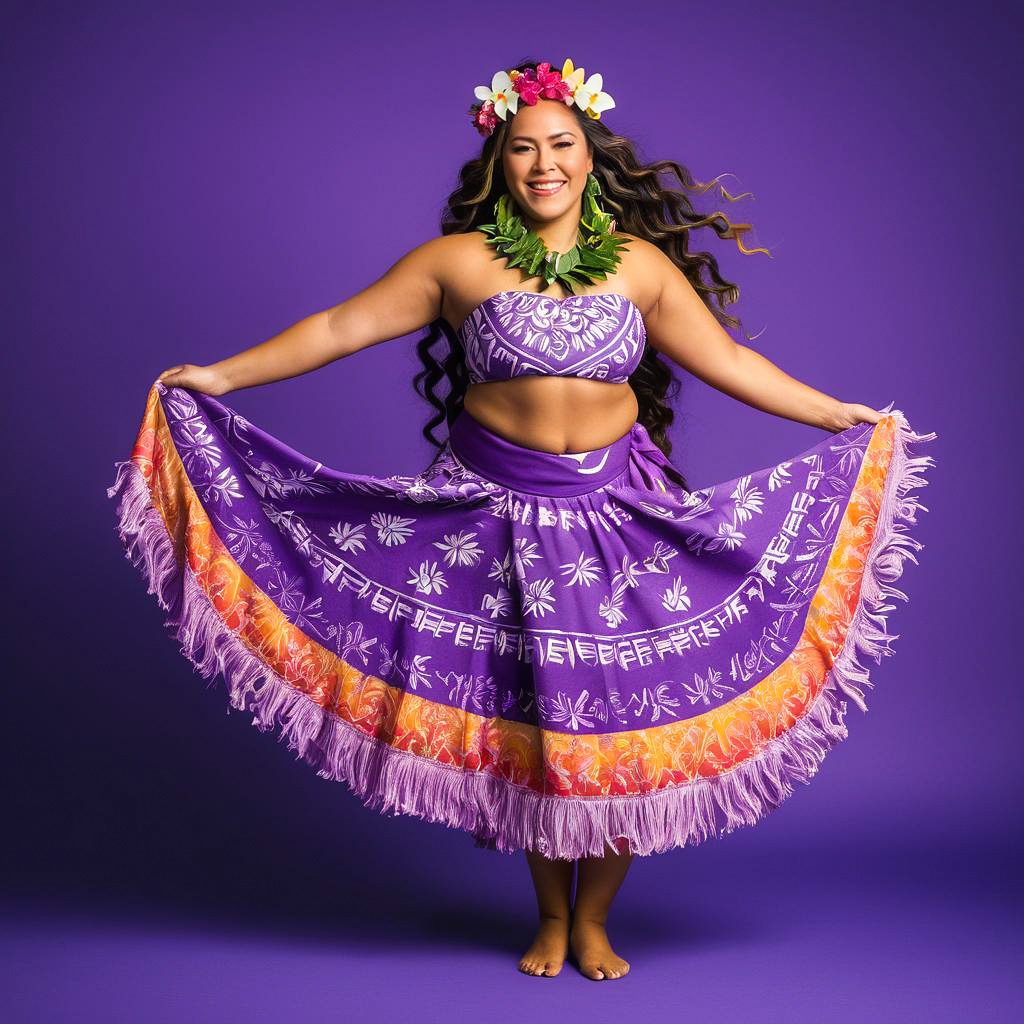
x=527, y=86
x=484, y=118
x=533, y=84
x=552, y=85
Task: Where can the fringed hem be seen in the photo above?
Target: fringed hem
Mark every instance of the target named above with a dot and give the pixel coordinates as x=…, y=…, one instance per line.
x=500, y=815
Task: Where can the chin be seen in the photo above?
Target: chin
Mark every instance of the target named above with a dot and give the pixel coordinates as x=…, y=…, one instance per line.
x=543, y=210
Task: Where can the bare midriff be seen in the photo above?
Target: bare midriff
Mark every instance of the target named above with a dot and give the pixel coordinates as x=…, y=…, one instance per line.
x=554, y=414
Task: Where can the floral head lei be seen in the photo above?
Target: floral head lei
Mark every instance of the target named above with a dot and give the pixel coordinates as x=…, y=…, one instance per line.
x=595, y=253
x=509, y=88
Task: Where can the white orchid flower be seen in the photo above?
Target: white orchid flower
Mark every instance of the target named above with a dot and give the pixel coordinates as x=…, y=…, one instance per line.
x=501, y=94
x=589, y=96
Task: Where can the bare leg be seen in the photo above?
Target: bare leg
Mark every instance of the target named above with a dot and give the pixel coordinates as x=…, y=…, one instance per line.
x=553, y=881
x=597, y=883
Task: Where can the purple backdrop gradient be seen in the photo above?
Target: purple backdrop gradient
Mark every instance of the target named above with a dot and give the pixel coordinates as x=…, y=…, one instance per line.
x=185, y=180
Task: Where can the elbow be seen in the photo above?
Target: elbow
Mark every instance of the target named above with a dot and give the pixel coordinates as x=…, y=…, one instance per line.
x=332, y=325
x=340, y=333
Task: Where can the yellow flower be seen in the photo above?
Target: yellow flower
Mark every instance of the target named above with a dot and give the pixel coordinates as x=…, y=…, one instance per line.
x=574, y=78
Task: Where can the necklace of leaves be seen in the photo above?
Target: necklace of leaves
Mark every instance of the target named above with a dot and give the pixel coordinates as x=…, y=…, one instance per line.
x=592, y=258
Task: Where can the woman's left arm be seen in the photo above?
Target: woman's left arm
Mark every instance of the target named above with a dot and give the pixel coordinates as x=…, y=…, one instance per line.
x=681, y=327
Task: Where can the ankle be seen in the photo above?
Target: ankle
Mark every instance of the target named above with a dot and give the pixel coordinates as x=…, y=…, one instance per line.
x=583, y=918
x=558, y=916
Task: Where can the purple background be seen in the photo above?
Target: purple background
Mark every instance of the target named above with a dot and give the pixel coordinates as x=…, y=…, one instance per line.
x=187, y=180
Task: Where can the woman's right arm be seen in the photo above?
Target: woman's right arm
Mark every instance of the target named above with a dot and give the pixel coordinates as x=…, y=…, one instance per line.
x=405, y=299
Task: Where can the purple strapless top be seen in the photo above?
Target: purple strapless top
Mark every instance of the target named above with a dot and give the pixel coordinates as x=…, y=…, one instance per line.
x=514, y=333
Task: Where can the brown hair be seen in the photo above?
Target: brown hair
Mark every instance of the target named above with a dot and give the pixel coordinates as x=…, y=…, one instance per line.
x=642, y=206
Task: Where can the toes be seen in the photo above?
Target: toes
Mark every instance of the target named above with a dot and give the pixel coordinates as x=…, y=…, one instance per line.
x=599, y=972
x=537, y=969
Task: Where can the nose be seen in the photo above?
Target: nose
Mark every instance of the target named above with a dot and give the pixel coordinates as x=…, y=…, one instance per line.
x=545, y=160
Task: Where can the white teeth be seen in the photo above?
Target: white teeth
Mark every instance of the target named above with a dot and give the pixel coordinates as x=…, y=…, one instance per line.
x=547, y=188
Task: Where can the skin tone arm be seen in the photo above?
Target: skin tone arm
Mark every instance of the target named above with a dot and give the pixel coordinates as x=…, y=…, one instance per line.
x=409, y=296
x=681, y=327
x=406, y=298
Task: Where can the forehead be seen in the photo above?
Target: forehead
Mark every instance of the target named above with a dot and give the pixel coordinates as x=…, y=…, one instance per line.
x=542, y=120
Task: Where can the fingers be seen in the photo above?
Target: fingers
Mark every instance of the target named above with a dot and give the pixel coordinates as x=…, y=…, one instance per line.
x=171, y=372
x=854, y=413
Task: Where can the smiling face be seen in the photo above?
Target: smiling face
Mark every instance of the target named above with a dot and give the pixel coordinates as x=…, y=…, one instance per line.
x=545, y=144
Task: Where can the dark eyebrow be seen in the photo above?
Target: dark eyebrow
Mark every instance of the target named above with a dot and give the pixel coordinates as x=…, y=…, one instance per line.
x=529, y=138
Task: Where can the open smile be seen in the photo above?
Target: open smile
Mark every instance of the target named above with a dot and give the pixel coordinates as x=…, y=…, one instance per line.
x=545, y=188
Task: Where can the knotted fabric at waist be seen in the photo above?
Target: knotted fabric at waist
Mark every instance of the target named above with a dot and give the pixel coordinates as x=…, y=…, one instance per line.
x=536, y=472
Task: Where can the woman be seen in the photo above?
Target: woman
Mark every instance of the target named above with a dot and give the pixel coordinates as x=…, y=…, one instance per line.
x=544, y=638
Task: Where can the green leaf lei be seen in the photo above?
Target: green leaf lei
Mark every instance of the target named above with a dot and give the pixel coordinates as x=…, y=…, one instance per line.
x=592, y=258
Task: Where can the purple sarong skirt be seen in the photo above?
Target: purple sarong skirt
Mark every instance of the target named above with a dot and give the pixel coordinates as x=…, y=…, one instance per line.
x=567, y=653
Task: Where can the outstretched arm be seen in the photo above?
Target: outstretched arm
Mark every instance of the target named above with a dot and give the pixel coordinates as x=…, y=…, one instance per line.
x=683, y=328
x=406, y=298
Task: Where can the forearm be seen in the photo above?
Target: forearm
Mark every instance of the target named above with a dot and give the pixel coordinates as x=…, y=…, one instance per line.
x=304, y=346
x=761, y=384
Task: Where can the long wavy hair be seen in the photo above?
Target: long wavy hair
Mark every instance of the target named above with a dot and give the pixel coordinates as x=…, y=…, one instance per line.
x=642, y=206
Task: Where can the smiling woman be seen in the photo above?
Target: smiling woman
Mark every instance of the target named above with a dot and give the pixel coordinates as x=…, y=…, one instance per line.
x=545, y=638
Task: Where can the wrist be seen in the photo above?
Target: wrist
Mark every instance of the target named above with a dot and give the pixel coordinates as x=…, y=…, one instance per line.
x=830, y=414
x=223, y=381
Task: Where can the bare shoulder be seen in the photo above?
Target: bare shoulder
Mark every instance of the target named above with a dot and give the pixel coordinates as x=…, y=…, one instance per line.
x=645, y=269
x=452, y=259
x=433, y=255
x=642, y=255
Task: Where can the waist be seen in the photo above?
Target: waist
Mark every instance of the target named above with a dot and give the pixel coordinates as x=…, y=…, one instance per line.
x=535, y=411
x=532, y=471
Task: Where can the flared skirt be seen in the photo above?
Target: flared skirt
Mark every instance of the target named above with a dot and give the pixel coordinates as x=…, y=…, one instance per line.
x=560, y=653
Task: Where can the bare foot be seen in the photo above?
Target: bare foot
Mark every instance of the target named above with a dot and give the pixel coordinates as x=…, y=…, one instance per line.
x=547, y=953
x=596, y=958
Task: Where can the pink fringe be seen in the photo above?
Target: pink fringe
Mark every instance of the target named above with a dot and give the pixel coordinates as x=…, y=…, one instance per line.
x=505, y=816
